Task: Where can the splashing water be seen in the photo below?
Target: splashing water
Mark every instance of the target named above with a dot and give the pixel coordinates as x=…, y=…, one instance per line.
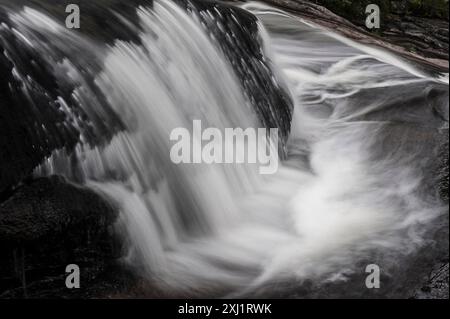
x=352, y=184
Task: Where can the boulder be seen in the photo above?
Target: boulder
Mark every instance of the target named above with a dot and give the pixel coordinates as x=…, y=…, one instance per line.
x=46, y=225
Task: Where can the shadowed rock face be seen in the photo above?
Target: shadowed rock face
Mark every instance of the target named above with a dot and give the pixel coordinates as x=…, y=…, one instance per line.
x=32, y=123
x=51, y=206
x=31, y=127
x=47, y=225
x=97, y=17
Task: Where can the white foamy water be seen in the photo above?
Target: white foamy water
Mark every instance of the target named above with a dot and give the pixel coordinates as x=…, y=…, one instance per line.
x=197, y=228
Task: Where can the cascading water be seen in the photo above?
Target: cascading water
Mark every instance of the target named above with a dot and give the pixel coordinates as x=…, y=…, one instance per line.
x=351, y=189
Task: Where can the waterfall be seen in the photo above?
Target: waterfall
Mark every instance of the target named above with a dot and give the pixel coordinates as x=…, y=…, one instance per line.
x=351, y=188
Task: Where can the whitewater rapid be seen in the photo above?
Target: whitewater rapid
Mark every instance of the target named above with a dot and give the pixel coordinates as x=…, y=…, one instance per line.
x=351, y=187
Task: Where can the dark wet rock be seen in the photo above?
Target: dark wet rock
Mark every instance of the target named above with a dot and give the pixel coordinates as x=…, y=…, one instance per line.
x=46, y=225
x=428, y=45
x=25, y=136
x=236, y=32
x=442, y=170
x=50, y=205
x=32, y=120
x=100, y=19
x=424, y=36
x=437, y=285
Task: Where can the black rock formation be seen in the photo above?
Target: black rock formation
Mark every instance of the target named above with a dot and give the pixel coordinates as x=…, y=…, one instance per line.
x=47, y=225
